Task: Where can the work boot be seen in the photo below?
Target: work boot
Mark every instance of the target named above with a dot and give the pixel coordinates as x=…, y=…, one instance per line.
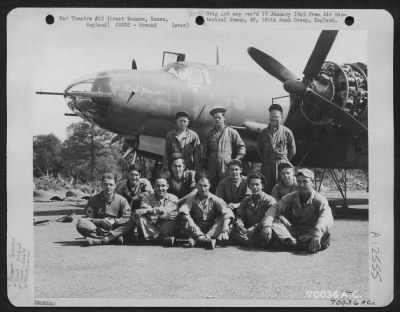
x=95, y=241
x=191, y=242
x=213, y=243
x=168, y=241
x=207, y=242
x=325, y=241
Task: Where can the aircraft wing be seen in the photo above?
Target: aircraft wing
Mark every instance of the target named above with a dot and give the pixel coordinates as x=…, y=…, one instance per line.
x=250, y=126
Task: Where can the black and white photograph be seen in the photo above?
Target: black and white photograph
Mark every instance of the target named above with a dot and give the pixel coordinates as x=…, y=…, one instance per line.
x=199, y=157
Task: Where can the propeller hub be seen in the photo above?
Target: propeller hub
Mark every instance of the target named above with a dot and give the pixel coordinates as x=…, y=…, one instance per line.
x=294, y=87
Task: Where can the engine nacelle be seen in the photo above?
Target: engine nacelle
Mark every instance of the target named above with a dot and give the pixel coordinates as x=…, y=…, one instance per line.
x=346, y=85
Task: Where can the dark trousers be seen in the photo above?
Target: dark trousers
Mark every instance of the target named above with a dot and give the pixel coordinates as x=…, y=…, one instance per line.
x=88, y=229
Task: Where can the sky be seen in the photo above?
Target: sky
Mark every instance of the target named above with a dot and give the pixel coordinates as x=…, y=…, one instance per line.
x=49, y=57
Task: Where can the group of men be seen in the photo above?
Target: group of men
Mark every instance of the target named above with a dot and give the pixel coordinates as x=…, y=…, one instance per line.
x=276, y=145
x=216, y=204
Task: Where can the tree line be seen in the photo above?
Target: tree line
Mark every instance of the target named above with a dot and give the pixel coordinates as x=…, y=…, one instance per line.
x=85, y=154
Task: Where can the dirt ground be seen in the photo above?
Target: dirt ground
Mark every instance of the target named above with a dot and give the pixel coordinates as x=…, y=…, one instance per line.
x=64, y=267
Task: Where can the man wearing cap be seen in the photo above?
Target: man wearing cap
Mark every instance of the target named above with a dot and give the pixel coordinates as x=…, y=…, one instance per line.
x=134, y=188
x=309, y=217
x=205, y=216
x=181, y=181
x=276, y=145
x=222, y=144
x=233, y=188
x=247, y=227
x=156, y=218
x=287, y=182
x=185, y=141
x=108, y=215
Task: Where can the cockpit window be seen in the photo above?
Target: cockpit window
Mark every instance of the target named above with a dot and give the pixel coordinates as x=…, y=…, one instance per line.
x=187, y=73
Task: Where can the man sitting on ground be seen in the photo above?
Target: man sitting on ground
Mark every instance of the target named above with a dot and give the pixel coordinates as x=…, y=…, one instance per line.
x=307, y=214
x=108, y=215
x=156, y=218
x=205, y=216
x=233, y=188
x=247, y=227
x=287, y=182
x=135, y=188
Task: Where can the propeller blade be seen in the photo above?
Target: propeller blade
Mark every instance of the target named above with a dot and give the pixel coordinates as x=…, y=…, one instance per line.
x=294, y=87
x=270, y=65
x=318, y=55
x=345, y=119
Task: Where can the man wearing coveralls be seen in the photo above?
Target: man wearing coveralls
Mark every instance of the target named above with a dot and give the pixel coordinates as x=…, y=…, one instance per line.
x=233, y=188
x=156, y=218
x=135, y=188
x=222, y=144
x=276, y=145
x=181, y=181
x=185, y=141
x=109, y=215
x=205, y=216
x=308, y=217
x=286, y=183
x=247, y=227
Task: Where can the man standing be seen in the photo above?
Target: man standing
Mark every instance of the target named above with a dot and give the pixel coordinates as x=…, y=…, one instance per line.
x=205, y=216
x=135, y=188
x=276, y=145
x=287, y=182
x=247, y=227
x=108, y=215
x=156, y=218
x=233, y=189
x=221, y=146
x=185, y=141
x=309, y=217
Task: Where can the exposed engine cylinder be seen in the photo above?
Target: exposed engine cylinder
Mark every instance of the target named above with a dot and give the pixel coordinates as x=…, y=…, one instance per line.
x=345, y=85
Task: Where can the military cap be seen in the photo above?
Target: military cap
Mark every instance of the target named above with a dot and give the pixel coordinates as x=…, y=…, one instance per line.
x=182, y=114
x=217, y=109
x=305, y=172
x=175, y=156
x=256, y=175
x=135, y=167
x=235, y=162
x=276, y=107
x=284, y=166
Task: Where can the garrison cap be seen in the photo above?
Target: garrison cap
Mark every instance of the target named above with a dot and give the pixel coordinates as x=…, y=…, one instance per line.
x=305, y=172
x=235, y=162
x=284, y=166
x=256, y=175
x=217, y=109
x=182, y=114
x=276, y=107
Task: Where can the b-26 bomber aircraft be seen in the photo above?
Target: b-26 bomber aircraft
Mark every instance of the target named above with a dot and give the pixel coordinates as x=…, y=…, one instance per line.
x=326, y=109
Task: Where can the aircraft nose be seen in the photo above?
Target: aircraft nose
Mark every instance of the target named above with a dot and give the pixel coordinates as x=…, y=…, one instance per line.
x=90, y=97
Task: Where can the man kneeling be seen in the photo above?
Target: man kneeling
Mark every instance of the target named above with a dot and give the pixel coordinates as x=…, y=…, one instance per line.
x=108, y=215
x=247, y=227
x=205, y=217
x=156, y=218
x=305, y=217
